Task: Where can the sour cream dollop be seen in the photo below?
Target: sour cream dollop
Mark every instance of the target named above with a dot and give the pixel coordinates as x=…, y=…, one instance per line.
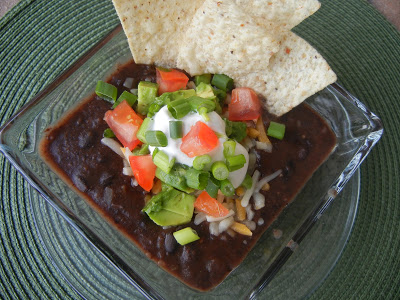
x=216, y=123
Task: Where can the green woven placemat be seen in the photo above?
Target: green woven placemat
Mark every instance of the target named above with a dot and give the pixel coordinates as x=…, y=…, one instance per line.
x=39, y=39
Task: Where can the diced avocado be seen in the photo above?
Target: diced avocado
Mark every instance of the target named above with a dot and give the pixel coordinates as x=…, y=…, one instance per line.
x=205, y=91
x=147, y=93
x=182, y=94
x=170, y=207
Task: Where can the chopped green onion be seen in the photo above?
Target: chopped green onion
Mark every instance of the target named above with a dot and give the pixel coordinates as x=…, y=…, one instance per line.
x=130, y=98
x=219, y=170
x=175, y=178
x=175, y=129
x=162, y=161
x=200, y=162
x=155, y=151
x=247, y=182
x=141, y=133
x=276, y=130
x=106, y=91
x=221, y=95
x=197, y=103
x=235, y=130
x=203, y=113
x=186, y=236
x=205, y=78
x=156, y=138
x=227, y=188
x=179, y=108
x=197, y=179
x=222, y=82
x=213, y=187
x=108, y=133
x=235, y=162
x=144, y=150
x=229, y=148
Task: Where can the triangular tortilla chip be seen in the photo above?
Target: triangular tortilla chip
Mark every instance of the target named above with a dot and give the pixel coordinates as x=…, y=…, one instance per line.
x=285, y=14
x=222, y=38
x=155, y=29
x=295, y=72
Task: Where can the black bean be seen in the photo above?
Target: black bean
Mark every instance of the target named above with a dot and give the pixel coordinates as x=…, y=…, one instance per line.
x=105, y=179
x=85, y=139
x=79, y=183
x=170, y=243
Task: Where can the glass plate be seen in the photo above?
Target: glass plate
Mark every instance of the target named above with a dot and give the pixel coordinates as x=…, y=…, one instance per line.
x=356, y=128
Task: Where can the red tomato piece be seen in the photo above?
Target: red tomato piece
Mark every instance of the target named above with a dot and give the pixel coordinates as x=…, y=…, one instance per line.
x=144, y=170
x=244, y=105
x=210, y=206
x=200, y=140
x=170, y=81
x=125, y=123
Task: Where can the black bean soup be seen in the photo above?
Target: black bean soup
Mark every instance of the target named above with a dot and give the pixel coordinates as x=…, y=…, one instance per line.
x=74, y=150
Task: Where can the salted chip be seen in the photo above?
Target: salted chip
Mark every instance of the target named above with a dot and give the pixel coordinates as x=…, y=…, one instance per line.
x=222, y=38
x=155, y=29
x=295, y=72
x=283, y=13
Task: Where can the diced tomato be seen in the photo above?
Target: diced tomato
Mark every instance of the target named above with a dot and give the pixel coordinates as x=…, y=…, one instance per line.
x=244, y=105
x=210, y=206
x=144, y=170
x=124, y=122
x=200, y=140
x=170, y=81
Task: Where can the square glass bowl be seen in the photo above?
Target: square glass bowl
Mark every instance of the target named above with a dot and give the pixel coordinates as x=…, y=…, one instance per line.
x=357, y=131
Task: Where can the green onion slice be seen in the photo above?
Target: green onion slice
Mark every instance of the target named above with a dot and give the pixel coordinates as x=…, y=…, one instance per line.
x=108, y=133
x=227, y=188
x=144, y=150
x=106, y=91
x=235, y=162
x=162, y=161
x=186, y=235
x=129, y=97
x=222, y=82
x=219, y=170
x=213, y=186
x=175, y=129
x=276, y=130
x=197, y=179
x=229, y=148
x=179, y=108
x=156, y=138
x=200, y=162
x=141, y=133
x=205, y=78
x=247, y=182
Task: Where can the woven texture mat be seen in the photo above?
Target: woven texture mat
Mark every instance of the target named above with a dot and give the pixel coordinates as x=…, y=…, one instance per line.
x=39, y=39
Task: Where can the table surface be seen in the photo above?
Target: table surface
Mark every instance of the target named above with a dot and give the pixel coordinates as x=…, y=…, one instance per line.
x=362, y=48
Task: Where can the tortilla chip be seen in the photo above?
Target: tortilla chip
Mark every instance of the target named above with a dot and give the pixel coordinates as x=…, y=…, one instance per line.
x=285, y=14
x=224, y=39
x=295, y=72
x=155, y=29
